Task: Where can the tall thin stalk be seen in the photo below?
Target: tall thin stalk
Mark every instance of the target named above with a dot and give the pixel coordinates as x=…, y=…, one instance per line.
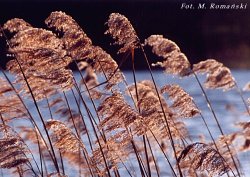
x=35, y=103
x=137, y=100
x=164, y=114
x=154, y=160
x=217, y=122
x=77, y=133
x=33, y=122
x=19, y=170
x=91, y=118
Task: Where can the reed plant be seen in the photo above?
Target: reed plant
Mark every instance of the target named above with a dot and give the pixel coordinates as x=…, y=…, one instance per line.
x=92, y=122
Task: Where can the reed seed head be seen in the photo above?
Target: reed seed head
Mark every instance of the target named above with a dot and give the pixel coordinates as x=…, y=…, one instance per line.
x=65, y=140
x=204, y=158
x=218, y=75
x=175, y=62
x=183, y=103
x=122, y=31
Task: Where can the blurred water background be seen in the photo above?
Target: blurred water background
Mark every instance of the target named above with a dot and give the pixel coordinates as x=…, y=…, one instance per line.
x=228, y=107
x=223, y=35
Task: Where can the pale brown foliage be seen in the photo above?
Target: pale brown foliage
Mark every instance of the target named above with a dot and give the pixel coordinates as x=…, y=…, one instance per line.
x=42, y=58
x=245, y=135
x=151, y=111
x=202, y=157
x=80, y=47
x=76, y=160
x=39, y=56
x=218, y=76
x=175, y=62
x=75, y=41
x=12, y=151
x=182, y=102
x=32, y=135
x=118, y=119
x=225, y=141
x=69, y=115
x=116, y=148
x=65, y=140
x=15, y=25
x=120, y=28
x=105, y=64
x=117, y=114
x=11, y=106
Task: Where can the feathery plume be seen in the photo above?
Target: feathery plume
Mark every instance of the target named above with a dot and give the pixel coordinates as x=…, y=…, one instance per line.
x=120, y=28
x=118, y=118
x=65, y=140
x=175, y=62
x=218, y=75
x=42, y=60
x=118, y=114
x=182, y=101
x=222, y=144
x=116, y=148
x=150, y=110
x=15, y=25
x=76, y=160
x=11, y=106
x=32, y=135
x=203, y=158
x=12, y=152
x=79, y=46
x=75, y=41
x=245, y=134
x=70, y=115
x=65, y=113
x=105, y=64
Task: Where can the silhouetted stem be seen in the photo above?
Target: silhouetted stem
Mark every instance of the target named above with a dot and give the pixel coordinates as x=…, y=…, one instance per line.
x=61, y=158
x=137, y=100
x=164, y=114
x=28, y=163
x=165, y=155
x=35, y=103
x=33, y=122
x=77, y=133
x=217, y=122
x=154, y=160
x=91, y=118
x=84, y=124
x=138, y=159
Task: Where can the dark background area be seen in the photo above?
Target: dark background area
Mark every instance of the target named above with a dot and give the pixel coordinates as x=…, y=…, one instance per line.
x=220, y=34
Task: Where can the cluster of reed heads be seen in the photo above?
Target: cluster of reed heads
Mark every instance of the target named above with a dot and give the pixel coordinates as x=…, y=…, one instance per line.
x=97, y=124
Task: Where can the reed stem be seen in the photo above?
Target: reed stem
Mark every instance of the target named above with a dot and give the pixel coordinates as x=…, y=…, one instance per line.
x=164, y=114
x=217, y=122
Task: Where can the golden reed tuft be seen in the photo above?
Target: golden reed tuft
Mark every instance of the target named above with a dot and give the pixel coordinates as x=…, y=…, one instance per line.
x=218, y=76
x=99, y=135
x=175, y=62
x=120, y=28
x=182, y=102
x=202, y=157
x=64, y=138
